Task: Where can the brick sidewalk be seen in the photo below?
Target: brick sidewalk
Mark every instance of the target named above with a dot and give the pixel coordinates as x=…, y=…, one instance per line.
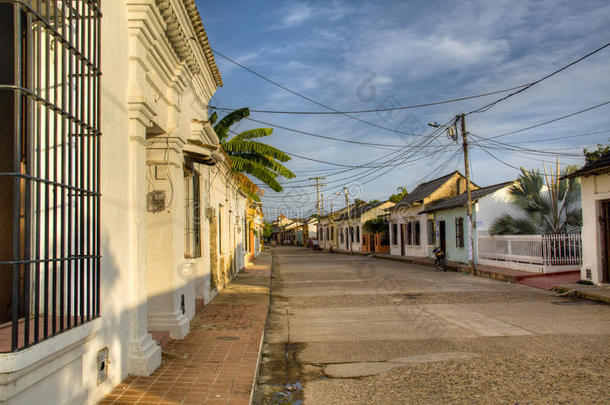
x=217, y=362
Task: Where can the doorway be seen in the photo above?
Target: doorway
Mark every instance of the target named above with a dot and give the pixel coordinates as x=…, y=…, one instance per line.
x=605, y=242
x=441, y=232
x=402, y=239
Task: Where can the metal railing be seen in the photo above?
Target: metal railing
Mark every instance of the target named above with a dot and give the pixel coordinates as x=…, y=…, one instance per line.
x=544, y=250
x=49, y=167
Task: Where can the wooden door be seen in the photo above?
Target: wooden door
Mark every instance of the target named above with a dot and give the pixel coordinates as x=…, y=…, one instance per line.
x=443, y=242
x=402, y=239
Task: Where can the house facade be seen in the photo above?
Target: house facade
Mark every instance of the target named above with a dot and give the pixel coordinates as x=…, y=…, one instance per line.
x=595, y=197
x=351, y=230
x=412, y=231
x=122, y=211
x=449, y=220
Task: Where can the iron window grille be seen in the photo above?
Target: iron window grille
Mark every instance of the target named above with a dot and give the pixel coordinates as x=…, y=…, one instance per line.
x=49, y=167
x=431, y=232
x=459, y=232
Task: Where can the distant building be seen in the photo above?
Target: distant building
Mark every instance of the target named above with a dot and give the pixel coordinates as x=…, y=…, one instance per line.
x=411, y=229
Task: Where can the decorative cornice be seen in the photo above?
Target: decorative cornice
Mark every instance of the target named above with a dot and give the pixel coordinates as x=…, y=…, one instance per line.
x=179, y=39
x=202, y=38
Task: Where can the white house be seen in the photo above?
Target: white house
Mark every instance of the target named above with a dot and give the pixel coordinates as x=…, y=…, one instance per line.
x=351, y=229
x=411, y=230
x=595, y=200
x=120, y=214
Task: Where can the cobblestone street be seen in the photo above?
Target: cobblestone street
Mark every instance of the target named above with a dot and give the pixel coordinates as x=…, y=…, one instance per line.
x=351, y=329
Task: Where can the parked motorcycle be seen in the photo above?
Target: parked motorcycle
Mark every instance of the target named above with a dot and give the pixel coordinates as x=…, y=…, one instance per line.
x=440, y=260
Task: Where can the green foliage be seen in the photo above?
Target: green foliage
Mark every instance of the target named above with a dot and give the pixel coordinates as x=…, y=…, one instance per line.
x=248, y=156
x=267, y=230
x=593, y=155
x=375, y=225
x=402, y=193
x=550, y=209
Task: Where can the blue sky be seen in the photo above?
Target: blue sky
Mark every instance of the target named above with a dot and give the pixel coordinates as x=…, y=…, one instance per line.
x=354, y=55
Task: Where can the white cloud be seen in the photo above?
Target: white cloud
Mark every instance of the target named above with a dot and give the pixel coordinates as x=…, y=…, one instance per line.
x=295, y=14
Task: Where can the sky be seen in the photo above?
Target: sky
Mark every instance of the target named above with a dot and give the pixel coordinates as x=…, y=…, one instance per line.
x=354, y=55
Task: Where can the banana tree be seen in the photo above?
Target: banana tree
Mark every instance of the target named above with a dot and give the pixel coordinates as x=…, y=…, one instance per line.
x=249, y=156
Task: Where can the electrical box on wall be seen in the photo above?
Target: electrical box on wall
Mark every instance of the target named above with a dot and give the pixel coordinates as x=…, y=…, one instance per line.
x=102, y=365
x=155, y=200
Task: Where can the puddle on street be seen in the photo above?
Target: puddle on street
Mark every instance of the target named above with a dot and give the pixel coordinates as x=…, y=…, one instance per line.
x=292, y=394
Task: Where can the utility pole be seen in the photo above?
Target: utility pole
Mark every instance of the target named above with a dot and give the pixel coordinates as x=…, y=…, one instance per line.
x=317, y=179
x=468, y=195
x=332, y=223
x=322, y=204
x=349, y=227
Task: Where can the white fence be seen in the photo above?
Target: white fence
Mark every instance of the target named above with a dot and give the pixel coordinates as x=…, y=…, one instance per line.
x=540, y=253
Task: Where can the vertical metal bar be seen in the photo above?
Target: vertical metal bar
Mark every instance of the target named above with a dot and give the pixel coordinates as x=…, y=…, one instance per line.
x=81, y=157
x=69, y=234
x=26, y=67
x=64, y=107
x=47, y=281
x=97, y=126
x=75, y=138
x=36, y=160
x=55, y=175
x=88, y=196
x=16, y=180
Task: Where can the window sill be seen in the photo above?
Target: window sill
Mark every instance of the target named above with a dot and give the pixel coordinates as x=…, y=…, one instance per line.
x=16, y=361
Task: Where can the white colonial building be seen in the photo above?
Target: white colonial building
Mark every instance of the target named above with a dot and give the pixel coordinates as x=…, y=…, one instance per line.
x=121, y=213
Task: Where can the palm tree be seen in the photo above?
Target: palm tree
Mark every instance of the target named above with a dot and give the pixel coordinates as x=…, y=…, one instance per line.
x=248, y=156
x=402, y=193
x=550, y=209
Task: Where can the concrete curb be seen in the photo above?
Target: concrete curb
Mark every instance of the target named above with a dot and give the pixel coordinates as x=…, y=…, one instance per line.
x=455, y=267
x=591, y=295
x=260, y=346
x=258, y=365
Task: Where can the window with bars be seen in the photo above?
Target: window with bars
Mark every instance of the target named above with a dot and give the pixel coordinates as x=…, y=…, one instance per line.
x=358, y=234
x=459, y=232
x=416, y=233
x=49, y=168
x=220, y=209
x=192, y=207
x=430, y=228
x=394, y=234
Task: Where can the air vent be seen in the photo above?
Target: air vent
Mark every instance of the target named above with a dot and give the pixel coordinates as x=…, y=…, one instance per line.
x=102, y=365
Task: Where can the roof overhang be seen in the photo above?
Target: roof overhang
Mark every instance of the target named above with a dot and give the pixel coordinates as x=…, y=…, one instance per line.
x=199, y=153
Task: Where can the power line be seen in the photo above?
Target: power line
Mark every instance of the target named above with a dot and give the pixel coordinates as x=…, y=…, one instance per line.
x=385, y=164
x=298, y=131
x=307, y=98
x=406, y=107
x=549, y=121
x=490, y=105
x=505, y=146
x=601, y=131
